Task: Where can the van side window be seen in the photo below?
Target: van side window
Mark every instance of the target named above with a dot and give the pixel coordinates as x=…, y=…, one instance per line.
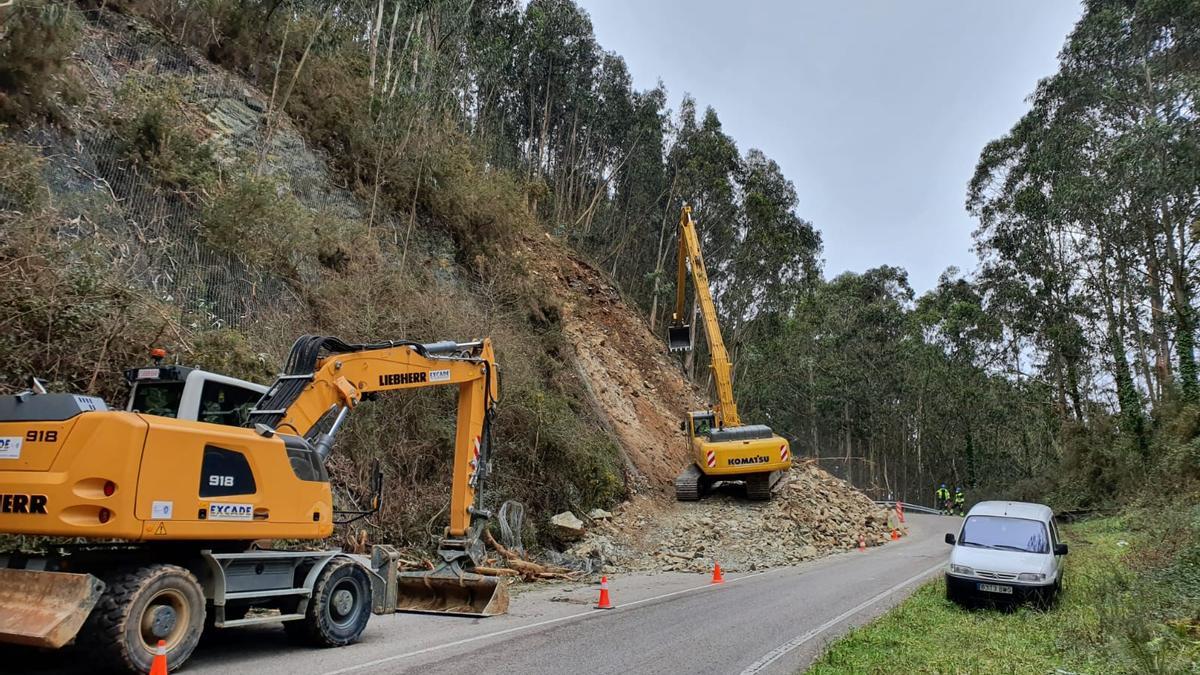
x=1053, y=533
x=226, y=403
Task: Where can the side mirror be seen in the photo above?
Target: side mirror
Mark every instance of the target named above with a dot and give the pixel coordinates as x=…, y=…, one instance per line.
x=950, y=538
x=1060, y=549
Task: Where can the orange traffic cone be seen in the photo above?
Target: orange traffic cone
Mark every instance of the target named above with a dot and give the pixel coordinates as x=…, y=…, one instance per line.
x=895, y=535
x=159, y=665
x=717, y=577
x=604, y=603
x=862, y=544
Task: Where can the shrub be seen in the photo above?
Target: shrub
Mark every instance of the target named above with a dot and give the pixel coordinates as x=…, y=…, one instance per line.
x=260, y=221
x=160, y=138
x=21, y=186
x=36, y=39
x=68, y=315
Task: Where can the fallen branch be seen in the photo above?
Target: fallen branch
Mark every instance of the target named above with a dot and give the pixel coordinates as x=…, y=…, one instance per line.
x=496, y=572
x=508, y=554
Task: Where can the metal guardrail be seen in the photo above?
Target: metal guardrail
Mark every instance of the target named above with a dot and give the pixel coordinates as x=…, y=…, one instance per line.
x=909, y=507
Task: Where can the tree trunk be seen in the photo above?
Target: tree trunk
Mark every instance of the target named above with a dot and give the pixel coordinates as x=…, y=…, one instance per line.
x=660, y=258
x=1185, y=319
x=1128, y=400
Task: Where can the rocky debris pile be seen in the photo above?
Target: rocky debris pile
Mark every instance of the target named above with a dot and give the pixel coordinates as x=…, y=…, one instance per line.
x=811, y=514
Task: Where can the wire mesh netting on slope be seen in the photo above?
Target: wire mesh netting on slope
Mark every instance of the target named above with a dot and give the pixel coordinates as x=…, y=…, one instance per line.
x=100, y=189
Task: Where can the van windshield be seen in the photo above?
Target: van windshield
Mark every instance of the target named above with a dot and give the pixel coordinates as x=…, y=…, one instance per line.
x=1009, y=534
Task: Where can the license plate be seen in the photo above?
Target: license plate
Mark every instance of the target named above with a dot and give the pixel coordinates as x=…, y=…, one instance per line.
x=996, y=588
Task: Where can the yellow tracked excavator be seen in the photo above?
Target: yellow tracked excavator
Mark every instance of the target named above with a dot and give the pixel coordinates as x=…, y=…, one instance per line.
x=168, y=510
x=721, y=447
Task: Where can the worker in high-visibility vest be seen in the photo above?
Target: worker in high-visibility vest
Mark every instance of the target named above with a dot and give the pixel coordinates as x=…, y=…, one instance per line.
x=960, y=501
x=941, y=499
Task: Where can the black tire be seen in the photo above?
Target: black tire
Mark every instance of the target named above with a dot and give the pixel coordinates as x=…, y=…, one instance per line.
x=339, y=608
x=953, y=595
x=140, y=606
x=1051, y=595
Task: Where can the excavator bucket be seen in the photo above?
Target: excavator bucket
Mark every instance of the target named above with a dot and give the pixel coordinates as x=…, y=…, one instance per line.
x=679, y=338
x=45, y=609
x=447, y=590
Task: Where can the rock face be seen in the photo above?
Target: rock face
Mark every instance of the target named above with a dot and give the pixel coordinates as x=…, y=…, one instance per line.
x=567, y=526
x=811, y=514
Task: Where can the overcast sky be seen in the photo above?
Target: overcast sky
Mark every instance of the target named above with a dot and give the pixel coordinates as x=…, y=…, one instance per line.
x=875, y=109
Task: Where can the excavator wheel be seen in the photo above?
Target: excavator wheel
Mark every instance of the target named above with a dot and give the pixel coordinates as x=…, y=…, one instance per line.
x=139, y=607
x=339, y=608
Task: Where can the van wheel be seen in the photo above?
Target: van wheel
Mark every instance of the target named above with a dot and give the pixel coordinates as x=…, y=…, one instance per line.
x=1053, y=594
x=953, y=595
x=339, y=608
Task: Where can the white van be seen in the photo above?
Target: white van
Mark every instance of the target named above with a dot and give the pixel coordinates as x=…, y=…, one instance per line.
x=1006, y=551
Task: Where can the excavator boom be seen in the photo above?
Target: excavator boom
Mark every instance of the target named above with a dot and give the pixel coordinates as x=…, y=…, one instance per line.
x=679, y=333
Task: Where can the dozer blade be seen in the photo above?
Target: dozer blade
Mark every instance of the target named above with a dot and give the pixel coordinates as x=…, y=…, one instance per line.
x=449, y=591
x=679, y=338
x=45, y=609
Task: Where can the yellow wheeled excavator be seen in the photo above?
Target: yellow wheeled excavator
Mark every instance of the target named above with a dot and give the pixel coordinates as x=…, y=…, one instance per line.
x=722, y=448
x=168, y=510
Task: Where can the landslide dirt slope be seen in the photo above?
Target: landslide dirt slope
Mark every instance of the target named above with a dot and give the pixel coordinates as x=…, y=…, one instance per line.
x=643, y=395
x=634, y=385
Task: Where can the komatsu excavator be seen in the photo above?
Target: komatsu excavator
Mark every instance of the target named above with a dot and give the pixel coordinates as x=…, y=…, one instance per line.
x=168, y=510
x=722, y=448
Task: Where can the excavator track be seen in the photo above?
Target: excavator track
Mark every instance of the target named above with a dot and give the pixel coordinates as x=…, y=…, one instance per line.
x=759, y=485
x=691, y=485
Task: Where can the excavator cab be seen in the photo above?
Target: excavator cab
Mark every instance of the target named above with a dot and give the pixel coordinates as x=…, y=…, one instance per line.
x=679, y=337
x=185, y=393
x=702, y=422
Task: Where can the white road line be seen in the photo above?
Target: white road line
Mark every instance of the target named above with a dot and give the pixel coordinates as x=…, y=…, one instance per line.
x=516, y=629
x=780, y=651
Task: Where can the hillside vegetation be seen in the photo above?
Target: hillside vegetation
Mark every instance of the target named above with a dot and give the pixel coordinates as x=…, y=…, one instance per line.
x=219, y=176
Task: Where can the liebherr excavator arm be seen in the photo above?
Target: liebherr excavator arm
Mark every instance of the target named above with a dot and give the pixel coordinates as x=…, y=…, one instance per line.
x=325, y=378
x=722, y=447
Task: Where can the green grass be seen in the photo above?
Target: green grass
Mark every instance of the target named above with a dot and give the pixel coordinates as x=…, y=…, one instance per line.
x=1114, y=616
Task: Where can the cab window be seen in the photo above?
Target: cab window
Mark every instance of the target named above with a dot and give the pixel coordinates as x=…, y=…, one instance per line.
x=226, y=404
x=157, y=398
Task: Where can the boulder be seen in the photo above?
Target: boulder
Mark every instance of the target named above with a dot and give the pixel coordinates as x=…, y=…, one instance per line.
x=567, y=526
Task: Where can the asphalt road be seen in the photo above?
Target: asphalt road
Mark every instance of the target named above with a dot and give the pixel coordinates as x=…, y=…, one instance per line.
x=775, y=621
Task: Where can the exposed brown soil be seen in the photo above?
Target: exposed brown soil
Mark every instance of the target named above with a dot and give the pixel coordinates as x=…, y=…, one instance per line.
x=636, y=387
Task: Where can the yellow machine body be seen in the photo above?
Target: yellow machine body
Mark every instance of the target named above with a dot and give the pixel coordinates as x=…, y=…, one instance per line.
x=153, y=467
x=740, y=456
